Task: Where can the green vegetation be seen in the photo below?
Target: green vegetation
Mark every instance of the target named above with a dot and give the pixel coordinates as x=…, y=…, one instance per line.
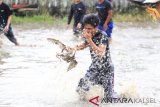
x=132, y=14
x=47, y=19
x=124, y=17
x=56, y=21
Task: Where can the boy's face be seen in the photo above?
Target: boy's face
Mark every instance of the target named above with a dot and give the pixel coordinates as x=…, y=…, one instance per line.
x=89, y=28
x=1, y=1
x=100, y=1
x=77, y=1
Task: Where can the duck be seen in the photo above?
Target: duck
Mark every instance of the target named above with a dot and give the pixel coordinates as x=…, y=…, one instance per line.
x=65, y=55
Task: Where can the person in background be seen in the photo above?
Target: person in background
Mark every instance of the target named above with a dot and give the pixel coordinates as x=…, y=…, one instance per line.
x=5, y=22
x=105, y=13
x=77, y=10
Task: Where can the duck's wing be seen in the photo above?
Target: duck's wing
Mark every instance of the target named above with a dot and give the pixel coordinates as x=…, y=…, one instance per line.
x=72, y=64
x=57, y=42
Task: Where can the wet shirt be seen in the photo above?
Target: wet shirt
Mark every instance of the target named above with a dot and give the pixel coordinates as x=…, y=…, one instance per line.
x=102, y=10
x=100, y=63
x=78, y=11
x=5, y=12
x=101, y=70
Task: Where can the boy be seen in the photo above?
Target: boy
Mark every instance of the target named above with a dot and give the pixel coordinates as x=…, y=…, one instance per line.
x=5, y=22
x=104, y=10
x=101, y=71
x=77, y=10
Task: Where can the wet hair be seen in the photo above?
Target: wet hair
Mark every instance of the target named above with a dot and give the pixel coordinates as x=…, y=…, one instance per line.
x=91, y=19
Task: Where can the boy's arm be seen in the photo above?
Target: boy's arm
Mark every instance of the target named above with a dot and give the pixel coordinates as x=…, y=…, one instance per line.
x=9, y=15
x=8, y=23
x=70, y=15
x=80, y=47
x=81, y=19
x=110, y=13
x=84, y=12
x=99, y=50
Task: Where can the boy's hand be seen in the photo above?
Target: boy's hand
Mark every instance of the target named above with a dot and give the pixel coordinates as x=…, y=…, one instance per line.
x=6, y=28
x=79, y=25
x=69, y=49
x=105, y=27
x=87, y=36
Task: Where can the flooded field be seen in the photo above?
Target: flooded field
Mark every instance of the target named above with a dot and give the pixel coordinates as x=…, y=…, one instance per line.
x=32, y=76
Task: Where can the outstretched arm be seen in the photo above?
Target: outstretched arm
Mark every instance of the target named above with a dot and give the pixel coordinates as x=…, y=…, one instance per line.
x=80, y=47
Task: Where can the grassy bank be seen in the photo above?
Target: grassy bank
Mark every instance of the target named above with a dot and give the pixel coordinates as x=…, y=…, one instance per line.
x=54, y=21
x=132, y=18
x=42, y=19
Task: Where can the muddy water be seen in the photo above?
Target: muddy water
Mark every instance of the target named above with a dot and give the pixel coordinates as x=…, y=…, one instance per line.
x=31, y=75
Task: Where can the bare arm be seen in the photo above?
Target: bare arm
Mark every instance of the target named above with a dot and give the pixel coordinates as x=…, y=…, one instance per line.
x=80, y=47
x=110, y=13
x=9, y=20
x=99, y=50
x=8, y=23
